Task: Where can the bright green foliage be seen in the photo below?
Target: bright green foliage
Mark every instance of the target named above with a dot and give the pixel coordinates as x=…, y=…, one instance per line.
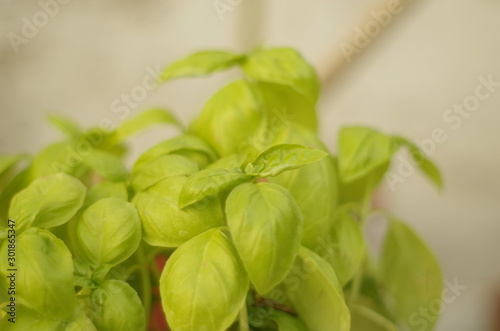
x=116, y=306
x=316, y=294
x=411, y=275
x=108, y=232
x=266, y=226
x=346, y=245
x=164, y=223
x=165, y=166
x=280, y=158
x=235, y=111
x=283, y=66
x=44, y=267
x=262, y=226
x=204, y=284
x=314, y=187
x=200, y=64
x=47, y=202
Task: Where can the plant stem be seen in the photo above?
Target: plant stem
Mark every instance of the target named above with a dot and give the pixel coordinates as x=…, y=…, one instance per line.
x=375, y=317
x=146, y=281
x=244, y=318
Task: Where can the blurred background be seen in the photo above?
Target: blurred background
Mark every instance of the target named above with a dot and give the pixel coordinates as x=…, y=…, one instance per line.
x=419, y=76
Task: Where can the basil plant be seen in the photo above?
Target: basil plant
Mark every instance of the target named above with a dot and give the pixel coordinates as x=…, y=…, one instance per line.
x=261, y=226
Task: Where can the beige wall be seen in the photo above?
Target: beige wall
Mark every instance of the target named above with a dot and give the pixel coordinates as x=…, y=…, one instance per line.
x=427, y=60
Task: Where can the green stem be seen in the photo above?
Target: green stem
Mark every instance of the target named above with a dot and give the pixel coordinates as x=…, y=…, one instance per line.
x=244, y=318
x=356, y=285
x=375, y=317
x=146, y=295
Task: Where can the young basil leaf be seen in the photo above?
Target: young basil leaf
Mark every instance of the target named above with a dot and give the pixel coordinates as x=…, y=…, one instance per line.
x=287, y=322
x=364, y=318
x=140, y=122
x=280, y=158
x=161, y=168
x=283, y=66
x=47, y=202
x=314, y=187
x=361, y=150
x=266, y=227
x=164, y=223
x=284, y=106
x=210, y=182
x=231, y=120
x=107, y=165
x=204, y=284
x=44, y=279
x=316, y=294
x=345, y=246
x=179, y=144
x=428, y=168
x=116, y=306
x=200, y=64
x=411, y=276
x=105, y=190
x=108, y=232
x=66, y=125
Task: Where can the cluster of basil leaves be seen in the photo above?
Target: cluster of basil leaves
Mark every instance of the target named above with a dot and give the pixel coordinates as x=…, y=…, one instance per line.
x=264, y=226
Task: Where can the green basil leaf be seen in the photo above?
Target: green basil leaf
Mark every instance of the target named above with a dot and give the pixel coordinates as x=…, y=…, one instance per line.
x=116, y=306
x=105, y=190
x=180, y=144
x=66, y=125
x=280, y=158
x=361, y=189
x=200, y=64
x=345, y=247
x=47, y=202
x=164, y=223
x=232, y=121
x=364, y=318
x=314, y=187
x=161, y=168
x=140, y=122
x=411, y=276
x=210, y=182
x=316, y=294
x=44, y=277
x=204, y=284
x=64, y=157
x=266, y=227
x=283, y=66
x=229, y=162
x=286, y=322
x=27, y=319
x=107, y=165
x=427, y=167
x=284, y=106
x=361, y=150
x=108, y=232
